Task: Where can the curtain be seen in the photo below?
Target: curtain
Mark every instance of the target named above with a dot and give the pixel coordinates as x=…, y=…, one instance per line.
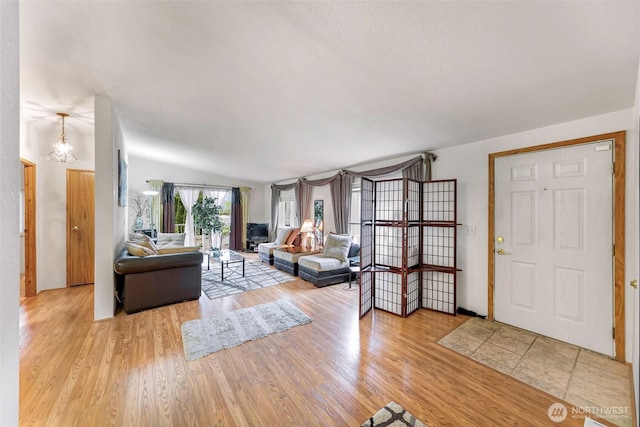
x=341, y=202
x=415, y=171
x=428, y=158
x=275, y=200
x=235, y=242
x=303, y=201
x=168, y=208
x=189, y=196
x=418, y=168
x=220, y=194
x=244, y=205
x=407, y=164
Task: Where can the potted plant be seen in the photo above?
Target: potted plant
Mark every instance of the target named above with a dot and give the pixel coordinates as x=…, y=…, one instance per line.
x=206, y=218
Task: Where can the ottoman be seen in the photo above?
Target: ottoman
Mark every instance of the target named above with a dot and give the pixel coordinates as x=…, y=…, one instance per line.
x=323, y=271
x=286, y=259
x=265, y=251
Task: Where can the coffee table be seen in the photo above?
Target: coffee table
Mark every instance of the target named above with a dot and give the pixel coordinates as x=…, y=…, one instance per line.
x=226, y=258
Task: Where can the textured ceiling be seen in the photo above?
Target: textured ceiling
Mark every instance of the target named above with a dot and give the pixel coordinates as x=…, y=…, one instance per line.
x=266, y=91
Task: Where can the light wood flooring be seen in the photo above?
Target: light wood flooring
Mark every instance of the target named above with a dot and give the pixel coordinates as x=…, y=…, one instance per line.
x=335, y=371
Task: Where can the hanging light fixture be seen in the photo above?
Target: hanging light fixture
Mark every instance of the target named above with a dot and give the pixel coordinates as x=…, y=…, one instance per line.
x=62, y=148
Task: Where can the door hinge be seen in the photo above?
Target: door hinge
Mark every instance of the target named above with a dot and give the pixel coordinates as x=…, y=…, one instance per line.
x=614, y=333
x=613, y=168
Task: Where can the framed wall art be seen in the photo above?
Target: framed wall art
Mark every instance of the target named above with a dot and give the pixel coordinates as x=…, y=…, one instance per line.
x=122, y=180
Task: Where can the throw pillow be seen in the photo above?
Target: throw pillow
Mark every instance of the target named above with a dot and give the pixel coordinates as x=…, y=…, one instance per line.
x=143, y=240
x=170, y=240
x=137, y=250
x=178, y=250
x=281, y=235
x=337, y=246
x=292, y=236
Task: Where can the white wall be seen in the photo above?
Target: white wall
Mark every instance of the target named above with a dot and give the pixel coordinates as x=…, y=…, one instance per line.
x=36, y=142
x=111, y=219
x=9, y=167
x=142, y=169
x=469, y=164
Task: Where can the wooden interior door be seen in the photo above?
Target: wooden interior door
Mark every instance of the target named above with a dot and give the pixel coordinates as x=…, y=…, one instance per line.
x=30, y=268
x=80, y=227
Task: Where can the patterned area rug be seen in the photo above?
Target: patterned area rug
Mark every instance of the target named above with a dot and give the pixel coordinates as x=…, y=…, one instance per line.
x=256, y=275
x=202, y=337
x=392, y=415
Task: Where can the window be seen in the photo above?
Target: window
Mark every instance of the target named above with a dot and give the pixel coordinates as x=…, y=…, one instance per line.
x=354, y=220
x=223, y=199
x=286, y=209
x=181, y=214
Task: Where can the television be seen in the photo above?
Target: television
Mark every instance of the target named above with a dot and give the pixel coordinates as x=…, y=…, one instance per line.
x=257, y=230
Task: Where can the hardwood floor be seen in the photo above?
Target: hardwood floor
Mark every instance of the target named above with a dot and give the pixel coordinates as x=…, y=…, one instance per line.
x=335, y=371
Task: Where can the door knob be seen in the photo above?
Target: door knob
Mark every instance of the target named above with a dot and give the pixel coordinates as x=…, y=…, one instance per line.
x=502, y=252
x=75, y=228
x=499, y=240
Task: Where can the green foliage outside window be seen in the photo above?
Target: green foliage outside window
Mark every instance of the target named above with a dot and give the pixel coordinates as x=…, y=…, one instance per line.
x=181, y=211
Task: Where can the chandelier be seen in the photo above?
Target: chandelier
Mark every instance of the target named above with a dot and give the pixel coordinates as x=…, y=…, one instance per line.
x=62, y=148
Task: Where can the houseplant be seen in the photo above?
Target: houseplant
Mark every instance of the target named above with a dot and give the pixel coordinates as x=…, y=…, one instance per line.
x=206, y=218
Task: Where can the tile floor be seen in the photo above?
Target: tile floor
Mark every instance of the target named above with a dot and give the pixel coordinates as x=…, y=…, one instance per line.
x=578, y=376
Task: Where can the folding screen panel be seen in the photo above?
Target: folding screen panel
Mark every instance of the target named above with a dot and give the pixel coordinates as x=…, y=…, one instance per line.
x=366, y=246
x=439, y=234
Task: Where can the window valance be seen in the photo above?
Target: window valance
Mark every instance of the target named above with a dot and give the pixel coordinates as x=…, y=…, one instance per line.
x=418, y=168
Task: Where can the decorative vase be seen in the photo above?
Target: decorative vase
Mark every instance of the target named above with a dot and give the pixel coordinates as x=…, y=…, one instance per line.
x=138, y=222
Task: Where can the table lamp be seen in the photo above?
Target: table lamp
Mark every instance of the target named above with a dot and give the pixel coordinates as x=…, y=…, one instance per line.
x=308, y=232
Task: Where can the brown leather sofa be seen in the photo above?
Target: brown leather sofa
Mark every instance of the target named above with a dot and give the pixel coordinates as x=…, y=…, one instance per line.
x=153, y=281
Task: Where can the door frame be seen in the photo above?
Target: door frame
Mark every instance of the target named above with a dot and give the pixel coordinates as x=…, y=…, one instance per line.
x=618, y=227
x=31, y=273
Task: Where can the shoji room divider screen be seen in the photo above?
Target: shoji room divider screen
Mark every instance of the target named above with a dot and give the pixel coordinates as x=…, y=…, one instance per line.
x=408, y=246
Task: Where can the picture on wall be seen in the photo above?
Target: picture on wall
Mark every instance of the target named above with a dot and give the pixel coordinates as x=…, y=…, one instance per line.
x=122, y=180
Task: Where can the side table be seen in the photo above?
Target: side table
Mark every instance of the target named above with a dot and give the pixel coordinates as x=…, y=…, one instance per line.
x=354, y=266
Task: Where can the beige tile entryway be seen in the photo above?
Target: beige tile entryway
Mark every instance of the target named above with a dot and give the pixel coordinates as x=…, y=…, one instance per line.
x=578, y=376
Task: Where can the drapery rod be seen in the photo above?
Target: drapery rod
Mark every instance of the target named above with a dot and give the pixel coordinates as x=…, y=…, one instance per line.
x=181, y=184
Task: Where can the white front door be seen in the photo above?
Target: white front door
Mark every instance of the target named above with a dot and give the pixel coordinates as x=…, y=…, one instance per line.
x=554, y=243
